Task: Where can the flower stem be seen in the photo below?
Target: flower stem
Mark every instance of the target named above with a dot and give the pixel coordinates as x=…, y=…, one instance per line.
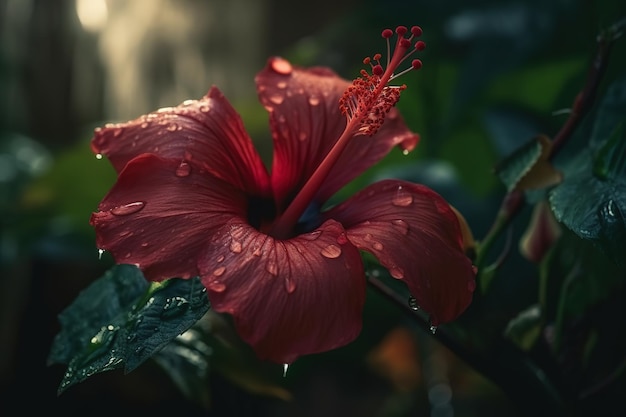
x=283, y=227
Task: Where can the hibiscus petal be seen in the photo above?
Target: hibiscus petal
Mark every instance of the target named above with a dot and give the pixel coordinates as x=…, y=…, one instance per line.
x=207, y=133
x=288, y=298
x=306, y=122
x=160, y=220
x=415, y=234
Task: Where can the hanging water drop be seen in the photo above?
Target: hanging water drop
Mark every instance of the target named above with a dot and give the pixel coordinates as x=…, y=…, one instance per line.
x=98, y=156
x=413, y=303
x=433, y=329
x=285, y=368
x=235, y=246
x=396, y=272
x=100, y=253
x=314, y=101
x=271, y=267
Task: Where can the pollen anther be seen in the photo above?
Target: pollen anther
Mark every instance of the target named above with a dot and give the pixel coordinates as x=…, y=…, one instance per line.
x=370, y=97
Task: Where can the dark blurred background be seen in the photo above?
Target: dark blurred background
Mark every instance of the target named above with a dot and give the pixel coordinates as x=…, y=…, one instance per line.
x=495, y=73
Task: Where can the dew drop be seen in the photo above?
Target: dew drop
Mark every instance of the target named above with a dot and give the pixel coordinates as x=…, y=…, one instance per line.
x=331, y=251
x=281, y=84
x=277, y=98
x=433, y=329
x=290, y=285
x=396, y=272
x=405, y=152
x=402, y=198
x=174, y=306
x=217, y=286
x=117, y=132
x=235, y=246
x=401, y=225
x=172, y=127
x=314, y=101
x=281, y=66
x=100, y=253
x=219, y=271
x=144, y=125
x=205, y=108
x=98, y=156
x=285, y=369
x=413, y=303
x=126, y=209
x=271, y=267
x=220, y=259
x=183, y=170
x=377, y=246
x=312, y=235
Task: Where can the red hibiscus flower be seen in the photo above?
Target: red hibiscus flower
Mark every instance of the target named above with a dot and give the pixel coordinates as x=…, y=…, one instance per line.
x=193, y=198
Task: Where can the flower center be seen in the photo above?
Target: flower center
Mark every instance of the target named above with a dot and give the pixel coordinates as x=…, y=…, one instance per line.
x=365, y=104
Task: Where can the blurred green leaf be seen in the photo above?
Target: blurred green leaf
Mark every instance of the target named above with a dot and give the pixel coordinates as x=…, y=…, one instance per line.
x=525, y=328
x=120, y=321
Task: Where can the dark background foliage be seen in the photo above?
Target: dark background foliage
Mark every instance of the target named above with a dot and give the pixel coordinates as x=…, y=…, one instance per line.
x=495, y=75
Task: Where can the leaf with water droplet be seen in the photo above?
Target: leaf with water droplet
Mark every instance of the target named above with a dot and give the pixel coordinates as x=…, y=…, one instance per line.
x=112, y=323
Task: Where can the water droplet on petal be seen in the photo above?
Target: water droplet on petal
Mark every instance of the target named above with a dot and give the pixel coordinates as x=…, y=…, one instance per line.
x=397, y=273
x=216, y=286
x=127, y=209
x=312, y=235
x=118, y=132
x=172, y=127
x=402, y=198
x=413, y=303
x=205, y=108
x=183, y=170
x=98, y=156
x=235, y=246
x=271, y=267
x=220, y=259
x=290, y=285
x=433, y=329
x=277, y=98
x=314, y=101
x=401, y=226
x=281, y=84
x=331, y=251
x=377, y=246
x=285, y=368
x=405, y=152
x=281, y=66
x=100, y=253
x=219, y=271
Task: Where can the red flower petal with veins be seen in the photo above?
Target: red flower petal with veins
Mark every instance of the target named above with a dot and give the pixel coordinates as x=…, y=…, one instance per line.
x=288, y=297
x=415, y=234
x=207, y=133
x=162, y=220
x=306, y=122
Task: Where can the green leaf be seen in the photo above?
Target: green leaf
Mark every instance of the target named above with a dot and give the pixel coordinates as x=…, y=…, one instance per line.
x=593, y=206
x=592, y=199
x=516, y=166
x=120, y=321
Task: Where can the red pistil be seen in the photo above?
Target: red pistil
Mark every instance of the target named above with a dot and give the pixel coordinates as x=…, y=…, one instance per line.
x=365, y=104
